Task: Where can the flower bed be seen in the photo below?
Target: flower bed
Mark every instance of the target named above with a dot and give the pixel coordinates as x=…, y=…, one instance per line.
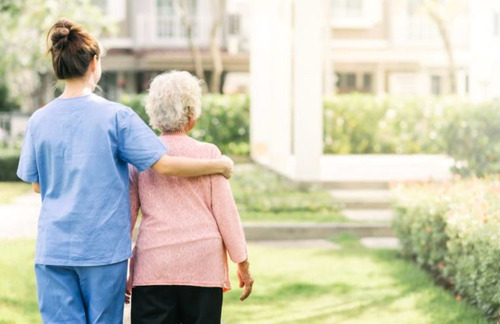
x=453, y=230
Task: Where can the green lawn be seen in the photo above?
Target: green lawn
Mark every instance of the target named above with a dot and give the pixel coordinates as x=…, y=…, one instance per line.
x=351, y=285
x=10, y=190
x=262, y=195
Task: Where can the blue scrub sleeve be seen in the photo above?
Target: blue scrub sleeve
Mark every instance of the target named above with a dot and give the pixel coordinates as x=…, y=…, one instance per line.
x=27, y=169
x=138, y=144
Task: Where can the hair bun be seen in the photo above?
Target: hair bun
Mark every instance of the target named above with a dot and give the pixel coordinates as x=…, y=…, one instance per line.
x=62, y=31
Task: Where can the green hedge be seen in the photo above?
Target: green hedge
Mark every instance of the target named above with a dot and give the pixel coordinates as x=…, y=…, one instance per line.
x=224, y=121
x=453, y=230
x=8, y=165
x=365, y=124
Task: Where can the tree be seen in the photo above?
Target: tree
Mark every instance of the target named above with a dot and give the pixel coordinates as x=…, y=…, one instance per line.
x=219, y=8
x=184, y=11
x=442, y=13
x=24, y=65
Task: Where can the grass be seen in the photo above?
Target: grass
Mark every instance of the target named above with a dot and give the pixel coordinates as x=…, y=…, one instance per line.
x=10, y=190
x=18, y=302
x=262, y=195
x=351, y=285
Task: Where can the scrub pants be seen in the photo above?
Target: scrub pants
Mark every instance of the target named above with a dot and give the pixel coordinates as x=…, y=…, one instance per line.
x=176, y=304
x=83, y=294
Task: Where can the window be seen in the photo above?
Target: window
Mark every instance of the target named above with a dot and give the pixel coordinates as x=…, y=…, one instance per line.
x=169, y=21
x=367, y=82
x=346, y=82
x=347, y=8
x=233, y=24
x=436, y=85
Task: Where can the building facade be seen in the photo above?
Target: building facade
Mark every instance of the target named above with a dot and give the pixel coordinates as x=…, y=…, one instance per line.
x=393, y=46
x=372, y=46
x=152, y=38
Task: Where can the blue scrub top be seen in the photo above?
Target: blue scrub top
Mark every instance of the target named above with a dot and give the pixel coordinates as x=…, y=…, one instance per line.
x=78, y=149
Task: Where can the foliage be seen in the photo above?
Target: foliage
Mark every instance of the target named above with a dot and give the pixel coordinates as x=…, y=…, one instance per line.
x=472, y=135
x=9, y=160
x=25, y=24
x=262, y=195
x=453, y=230
x=6, y=104
x=224, y=121
x=364, y=124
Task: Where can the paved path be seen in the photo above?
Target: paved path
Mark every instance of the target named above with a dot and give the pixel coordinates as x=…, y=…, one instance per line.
x=20, y=218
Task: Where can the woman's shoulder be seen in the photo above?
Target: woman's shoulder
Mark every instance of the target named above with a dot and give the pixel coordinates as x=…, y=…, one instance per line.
x=211, y=149
x=191, y=147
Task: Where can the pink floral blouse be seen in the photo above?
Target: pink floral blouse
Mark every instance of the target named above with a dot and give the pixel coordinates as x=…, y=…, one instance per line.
x=187, y=225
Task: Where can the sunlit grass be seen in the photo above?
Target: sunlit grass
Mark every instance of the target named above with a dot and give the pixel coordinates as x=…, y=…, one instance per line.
x=10, y=190
x=351, y=285
x=18, y=302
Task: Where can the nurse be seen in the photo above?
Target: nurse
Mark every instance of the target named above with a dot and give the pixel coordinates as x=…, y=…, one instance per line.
x=76, y=152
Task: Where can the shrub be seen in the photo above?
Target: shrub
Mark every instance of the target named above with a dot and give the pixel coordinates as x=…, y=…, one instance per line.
x=472, y=138
x=454, y=230
x=224, y=121
x=364, y=124
x=8, y=165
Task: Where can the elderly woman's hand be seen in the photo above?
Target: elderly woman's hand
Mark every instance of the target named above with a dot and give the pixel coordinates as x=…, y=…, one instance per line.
x=228, y=168
x=246, y=279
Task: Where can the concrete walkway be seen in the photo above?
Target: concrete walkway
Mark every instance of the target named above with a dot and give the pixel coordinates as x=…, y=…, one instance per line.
x=20, y=218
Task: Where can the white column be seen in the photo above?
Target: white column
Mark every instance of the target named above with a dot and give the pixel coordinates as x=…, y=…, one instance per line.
x=307, y=89
x=261, y=68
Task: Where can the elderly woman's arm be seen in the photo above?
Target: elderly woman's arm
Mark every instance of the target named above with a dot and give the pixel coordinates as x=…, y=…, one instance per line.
x=228, y=220
x=187, y=167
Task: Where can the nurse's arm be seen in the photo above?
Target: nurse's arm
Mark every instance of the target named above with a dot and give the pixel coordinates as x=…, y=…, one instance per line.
x=187, y=167
x=36, y=187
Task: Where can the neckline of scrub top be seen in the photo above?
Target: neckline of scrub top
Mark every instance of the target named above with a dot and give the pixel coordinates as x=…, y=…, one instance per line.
x=79, y=97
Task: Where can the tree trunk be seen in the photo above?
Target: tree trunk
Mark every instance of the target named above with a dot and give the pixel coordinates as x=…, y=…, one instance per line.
x=183, y=11
x=445, y=37
x=215, y=51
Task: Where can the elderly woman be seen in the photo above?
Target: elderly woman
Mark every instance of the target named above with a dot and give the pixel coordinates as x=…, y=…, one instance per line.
x=179, y=267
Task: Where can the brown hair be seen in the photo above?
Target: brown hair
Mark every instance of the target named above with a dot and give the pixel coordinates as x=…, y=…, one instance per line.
x=72, y=49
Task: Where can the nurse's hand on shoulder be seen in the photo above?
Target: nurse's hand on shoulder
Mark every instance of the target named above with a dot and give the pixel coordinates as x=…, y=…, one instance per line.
x=229, y=169
x=245, y=278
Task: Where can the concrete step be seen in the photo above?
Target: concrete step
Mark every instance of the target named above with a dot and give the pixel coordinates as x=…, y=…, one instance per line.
x=309, y=231
x=380, y=242
x=299, y=244
x=362, y=199
x=355, y=185
x=370, y=215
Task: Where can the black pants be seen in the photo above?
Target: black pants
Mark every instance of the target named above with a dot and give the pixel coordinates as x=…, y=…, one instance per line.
x=176, y=304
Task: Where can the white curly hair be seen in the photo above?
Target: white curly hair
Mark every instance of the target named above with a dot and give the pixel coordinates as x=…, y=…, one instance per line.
x=173, y=97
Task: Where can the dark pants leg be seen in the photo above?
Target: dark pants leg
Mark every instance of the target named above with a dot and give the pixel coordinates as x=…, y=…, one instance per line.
x=176, y=304
x=154, y=305
x=200, y=305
